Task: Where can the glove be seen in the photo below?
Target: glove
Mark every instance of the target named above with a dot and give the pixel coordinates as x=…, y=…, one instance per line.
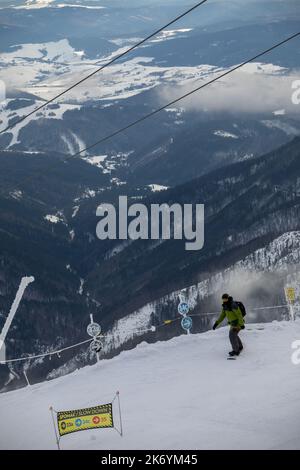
x=215, y=325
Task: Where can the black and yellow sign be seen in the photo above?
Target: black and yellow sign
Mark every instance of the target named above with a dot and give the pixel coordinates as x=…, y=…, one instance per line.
x=290, y=294
x=88, y=418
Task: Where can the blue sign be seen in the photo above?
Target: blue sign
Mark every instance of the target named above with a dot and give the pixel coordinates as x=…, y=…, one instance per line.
x=187, y=323
x=93, y=329
x=183, y=308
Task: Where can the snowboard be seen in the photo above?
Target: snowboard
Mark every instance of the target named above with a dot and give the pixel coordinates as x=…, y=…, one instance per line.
x=255, y=329
x=231, y=358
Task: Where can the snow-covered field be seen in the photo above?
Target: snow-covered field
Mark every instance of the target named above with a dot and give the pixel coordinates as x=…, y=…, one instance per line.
x=37, y=4
x=45, y=69
x=180, y=394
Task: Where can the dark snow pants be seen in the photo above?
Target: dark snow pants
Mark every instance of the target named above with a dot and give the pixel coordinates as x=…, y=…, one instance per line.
x=236, y=343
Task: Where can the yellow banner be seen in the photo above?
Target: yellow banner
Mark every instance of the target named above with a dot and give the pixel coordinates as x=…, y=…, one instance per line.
x=88, y=418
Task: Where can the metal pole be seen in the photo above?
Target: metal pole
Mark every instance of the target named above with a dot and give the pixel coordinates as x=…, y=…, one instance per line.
x=292, y=313
x=187, y=331
x=121, y=426
x=2, y=354
x=25, y=375
x=56, y=436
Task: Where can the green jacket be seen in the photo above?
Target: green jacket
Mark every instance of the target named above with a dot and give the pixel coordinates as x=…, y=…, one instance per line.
x=233, y=314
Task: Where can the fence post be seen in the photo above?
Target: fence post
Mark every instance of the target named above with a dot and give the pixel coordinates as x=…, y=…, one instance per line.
x=56, y=436
x=290, y=295
x=26, y=378
x=121, y=425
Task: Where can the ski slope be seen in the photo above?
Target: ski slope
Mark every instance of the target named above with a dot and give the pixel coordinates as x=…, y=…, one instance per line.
x=180, y=394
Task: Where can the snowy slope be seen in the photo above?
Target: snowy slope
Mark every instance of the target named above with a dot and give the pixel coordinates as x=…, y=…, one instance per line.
x=46, y=113
x=180, y=394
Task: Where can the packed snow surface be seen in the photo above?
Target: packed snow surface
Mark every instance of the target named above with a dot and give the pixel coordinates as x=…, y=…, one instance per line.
x=36, y=4
x=179, y=394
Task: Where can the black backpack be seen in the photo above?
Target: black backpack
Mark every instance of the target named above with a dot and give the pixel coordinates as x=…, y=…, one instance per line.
x=242, y=308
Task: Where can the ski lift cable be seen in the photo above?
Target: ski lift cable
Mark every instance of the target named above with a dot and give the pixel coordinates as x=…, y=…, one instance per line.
x=249, y=309
x=158, y=110
x=52, y=353
x=206, y=314
x=59, y=351
x=147, y=116
x=112, y=61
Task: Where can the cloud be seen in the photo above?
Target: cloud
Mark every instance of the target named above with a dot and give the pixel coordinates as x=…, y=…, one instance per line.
x=256, y=88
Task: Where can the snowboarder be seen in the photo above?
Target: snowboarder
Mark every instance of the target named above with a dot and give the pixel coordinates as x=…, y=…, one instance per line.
x=232, y=311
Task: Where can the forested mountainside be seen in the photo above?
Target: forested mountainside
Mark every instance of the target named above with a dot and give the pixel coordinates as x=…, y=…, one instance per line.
x=48, y=230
